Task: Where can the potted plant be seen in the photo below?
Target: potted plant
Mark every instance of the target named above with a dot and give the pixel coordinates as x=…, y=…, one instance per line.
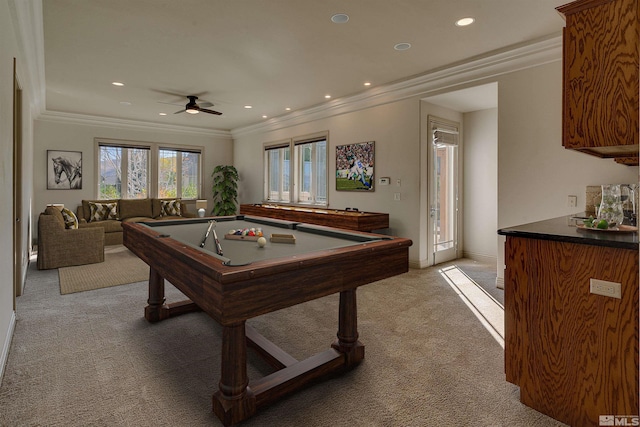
x=225, y=190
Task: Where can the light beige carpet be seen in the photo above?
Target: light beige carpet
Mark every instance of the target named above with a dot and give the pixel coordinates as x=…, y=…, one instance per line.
x=120, y=267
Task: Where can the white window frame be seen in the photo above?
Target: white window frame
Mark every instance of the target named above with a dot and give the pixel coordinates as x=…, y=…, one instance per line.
x=154, y=149
x=299, y=171
x=179, y=186
x=295, y=170
x=284, y=196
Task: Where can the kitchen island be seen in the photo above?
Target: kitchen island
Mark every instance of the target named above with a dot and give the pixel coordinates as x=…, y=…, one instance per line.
x=573, y=353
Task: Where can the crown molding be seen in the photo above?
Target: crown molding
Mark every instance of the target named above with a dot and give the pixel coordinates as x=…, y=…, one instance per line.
x=87, y=120
x=474, y=70
x=27, y=16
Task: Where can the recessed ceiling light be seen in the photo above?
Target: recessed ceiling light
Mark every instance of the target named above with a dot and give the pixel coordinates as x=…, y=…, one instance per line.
x=248, y=106
x=264, y=116
x=367, y=83
x=117, y=84
x=162, y=114
x=340, y=18
x=402, y=46
x=125, y=103
x=327, y=96
x=464, y=22
x=288, y=109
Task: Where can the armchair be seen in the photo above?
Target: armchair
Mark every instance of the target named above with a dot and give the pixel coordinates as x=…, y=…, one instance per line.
x=62, y=247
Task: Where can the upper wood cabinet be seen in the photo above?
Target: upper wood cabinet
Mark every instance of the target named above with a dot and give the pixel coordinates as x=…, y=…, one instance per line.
x=600, y=77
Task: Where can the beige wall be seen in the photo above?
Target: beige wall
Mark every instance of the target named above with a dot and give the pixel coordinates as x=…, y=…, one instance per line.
x=51, y=135
x=480, y=195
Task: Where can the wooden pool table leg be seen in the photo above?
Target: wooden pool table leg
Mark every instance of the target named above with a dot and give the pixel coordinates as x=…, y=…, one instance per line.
x=347, y=342
x=234, y=401
x=154, y=311
x=157, y=310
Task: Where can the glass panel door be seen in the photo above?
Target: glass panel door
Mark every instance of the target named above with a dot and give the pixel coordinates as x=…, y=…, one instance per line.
x=444, y=193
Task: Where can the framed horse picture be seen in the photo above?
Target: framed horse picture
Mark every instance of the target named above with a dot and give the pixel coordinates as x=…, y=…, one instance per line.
x=64, y=170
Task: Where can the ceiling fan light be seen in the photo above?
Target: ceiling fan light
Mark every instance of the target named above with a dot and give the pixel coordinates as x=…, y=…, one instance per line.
x=192, y=111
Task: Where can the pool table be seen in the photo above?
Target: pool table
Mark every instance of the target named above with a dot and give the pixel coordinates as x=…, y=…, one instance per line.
x=237, y=280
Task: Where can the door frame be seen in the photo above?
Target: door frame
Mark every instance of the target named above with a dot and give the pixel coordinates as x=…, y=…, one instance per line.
x=17, y=188
x=428, y=191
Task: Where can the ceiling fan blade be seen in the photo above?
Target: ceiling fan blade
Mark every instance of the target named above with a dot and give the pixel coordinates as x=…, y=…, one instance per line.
x=180, y=111
x=171, y=103
x=166, y=92
x=205, y=104
x=177, y=93
x=204, y=110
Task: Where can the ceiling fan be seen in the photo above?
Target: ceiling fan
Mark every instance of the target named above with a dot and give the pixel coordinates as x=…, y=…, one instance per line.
x=192, y=107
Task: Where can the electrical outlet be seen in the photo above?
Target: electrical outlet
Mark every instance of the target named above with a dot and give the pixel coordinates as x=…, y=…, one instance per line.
x=608, y=289
x=572, y=201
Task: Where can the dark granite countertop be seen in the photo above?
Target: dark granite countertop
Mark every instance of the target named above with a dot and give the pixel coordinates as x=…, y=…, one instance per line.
x=563, y=229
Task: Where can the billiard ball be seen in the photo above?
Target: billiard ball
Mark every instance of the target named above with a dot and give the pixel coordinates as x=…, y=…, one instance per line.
x=262, y=242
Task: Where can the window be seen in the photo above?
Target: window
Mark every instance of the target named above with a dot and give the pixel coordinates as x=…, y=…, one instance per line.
x=178, y=174
x=308, y=167
x=123, y=172
x=311, y=158
x=127, y=171
x=277, y=159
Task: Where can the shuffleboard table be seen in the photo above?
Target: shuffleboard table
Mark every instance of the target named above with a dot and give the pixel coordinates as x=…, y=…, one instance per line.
x=351, y=219
x=234, y=279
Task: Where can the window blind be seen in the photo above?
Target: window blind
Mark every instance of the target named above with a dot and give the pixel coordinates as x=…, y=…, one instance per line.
x=445, y=135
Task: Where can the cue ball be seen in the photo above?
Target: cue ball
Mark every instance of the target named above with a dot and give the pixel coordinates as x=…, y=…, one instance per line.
x=262, y=241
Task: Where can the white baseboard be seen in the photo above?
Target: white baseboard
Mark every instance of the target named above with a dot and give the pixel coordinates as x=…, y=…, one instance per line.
x=500, y=282
x=485, y=259
x=420, y=264
x=7, y=344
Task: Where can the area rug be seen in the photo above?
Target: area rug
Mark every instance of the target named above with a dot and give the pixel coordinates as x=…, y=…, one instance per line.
x=120, y=267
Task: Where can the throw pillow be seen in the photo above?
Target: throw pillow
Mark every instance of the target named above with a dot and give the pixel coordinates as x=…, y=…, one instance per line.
x=102, y=211
x=70, y=219
x=170, y=208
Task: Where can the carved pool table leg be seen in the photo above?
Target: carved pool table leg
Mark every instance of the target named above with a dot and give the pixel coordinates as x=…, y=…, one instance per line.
x=156, y=309
x=347, y=342
x=234, y=401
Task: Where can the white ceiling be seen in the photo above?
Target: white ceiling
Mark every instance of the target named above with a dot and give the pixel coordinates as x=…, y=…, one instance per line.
x=269, y=54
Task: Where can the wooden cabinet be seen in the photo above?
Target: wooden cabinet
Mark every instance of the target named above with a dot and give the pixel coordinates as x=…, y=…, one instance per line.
x=574, y=354
x=600, y=77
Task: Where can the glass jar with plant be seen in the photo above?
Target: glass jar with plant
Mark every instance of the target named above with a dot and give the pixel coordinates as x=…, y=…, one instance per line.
x=225, y=190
